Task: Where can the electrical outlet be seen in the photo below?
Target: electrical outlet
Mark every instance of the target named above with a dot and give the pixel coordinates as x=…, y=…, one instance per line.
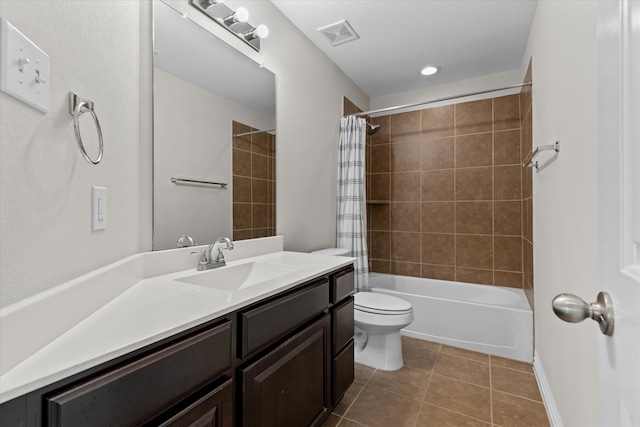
x=98, y=208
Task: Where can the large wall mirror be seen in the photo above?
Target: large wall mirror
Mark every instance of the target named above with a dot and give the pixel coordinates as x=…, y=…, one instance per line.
x=205, y=92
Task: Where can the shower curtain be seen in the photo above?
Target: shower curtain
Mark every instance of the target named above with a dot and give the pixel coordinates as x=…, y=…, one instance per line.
x=352, y=214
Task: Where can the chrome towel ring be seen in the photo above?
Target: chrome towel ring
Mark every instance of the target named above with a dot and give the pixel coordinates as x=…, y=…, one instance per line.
x=77, y=107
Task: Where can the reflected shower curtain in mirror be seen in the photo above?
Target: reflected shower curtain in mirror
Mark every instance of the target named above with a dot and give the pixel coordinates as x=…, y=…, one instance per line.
x=352, y=214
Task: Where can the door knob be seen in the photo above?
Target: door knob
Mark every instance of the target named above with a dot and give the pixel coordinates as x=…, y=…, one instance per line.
x=572, y=308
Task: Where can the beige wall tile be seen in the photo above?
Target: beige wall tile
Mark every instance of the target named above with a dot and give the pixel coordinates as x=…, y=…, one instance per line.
x=405, y=127
x=405, y=156
x=506, y=112
x=507, y=218
x=474, y=275
x=380, y=216
x=507, y=183
x=506, y=147
x=405, y=216
x=437, y=122
x=474, y=184
x=405, y=186
x=380, y=186
x=437, y=185
x=474, y=251
x=241, y=189
x=507, y=279
x=380, y=158
x=438, y=249
x=474, y=217
x=405, y=246
x=508, y=253
x=412, y=269
x=438, y=217
x=474, y=150
x=437, y=154
x=473, y=117
x=440, y=272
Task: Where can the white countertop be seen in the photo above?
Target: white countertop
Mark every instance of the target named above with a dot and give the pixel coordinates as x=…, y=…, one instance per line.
x=148, y=311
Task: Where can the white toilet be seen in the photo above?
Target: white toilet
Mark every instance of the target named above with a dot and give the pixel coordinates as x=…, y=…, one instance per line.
x=378, y=320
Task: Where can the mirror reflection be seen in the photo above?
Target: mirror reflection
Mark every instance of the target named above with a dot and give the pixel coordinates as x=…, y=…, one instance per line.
x=214, y=137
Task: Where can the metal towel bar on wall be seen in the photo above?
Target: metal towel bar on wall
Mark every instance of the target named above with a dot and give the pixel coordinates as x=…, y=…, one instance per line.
x=529, y=160
x=77, y=107
x=197, y=181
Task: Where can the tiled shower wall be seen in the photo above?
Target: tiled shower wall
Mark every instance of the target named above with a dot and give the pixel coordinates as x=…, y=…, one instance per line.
x=527, y=190
x=254, y=184
x=445, y=193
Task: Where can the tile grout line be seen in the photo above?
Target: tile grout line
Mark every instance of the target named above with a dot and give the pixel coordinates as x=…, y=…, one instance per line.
x=490, y=391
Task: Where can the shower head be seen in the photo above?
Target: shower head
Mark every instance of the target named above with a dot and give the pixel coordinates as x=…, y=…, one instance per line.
x=373, y=128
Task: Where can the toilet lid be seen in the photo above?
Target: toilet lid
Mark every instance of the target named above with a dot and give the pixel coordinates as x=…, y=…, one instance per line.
x=372, y=302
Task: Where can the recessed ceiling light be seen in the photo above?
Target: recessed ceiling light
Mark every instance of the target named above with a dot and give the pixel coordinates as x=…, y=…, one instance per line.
x=429, y=70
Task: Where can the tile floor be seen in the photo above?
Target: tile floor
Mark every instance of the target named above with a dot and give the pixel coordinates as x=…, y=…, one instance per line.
x=442, y=386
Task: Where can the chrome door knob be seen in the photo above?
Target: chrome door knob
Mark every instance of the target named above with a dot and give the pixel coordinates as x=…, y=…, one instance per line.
x=572, y=308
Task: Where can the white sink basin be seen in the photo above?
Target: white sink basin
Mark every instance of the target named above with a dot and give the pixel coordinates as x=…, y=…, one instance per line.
x=240, y=276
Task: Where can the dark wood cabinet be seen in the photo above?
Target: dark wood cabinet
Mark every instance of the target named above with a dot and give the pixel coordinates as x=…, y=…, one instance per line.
x=214, y=409
x=289, y=386
x=283, y=361
x=267, y=322
x=137, y=391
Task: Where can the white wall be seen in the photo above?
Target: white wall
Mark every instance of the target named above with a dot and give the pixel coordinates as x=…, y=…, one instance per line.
x=45, y=185
x=102, y=50
x=562, y=45
x=190, y=142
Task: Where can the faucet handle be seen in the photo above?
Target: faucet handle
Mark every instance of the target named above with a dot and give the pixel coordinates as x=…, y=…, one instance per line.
x=203, y=255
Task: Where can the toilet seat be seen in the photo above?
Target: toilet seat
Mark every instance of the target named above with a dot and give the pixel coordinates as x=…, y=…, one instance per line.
x=381, y=304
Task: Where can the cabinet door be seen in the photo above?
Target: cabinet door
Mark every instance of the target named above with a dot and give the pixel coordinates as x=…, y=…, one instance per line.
x=214, y=409
x=290, y=385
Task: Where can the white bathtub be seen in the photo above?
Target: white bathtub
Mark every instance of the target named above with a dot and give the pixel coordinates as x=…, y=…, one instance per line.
x=488, y=319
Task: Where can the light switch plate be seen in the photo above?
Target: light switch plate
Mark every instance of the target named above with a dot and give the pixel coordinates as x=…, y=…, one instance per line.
x=24, y=68
x=98, y=208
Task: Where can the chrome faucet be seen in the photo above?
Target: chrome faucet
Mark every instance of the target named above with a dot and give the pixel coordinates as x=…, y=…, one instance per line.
x=207, y=263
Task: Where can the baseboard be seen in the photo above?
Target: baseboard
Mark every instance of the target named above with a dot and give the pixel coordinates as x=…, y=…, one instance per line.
x=545, y=391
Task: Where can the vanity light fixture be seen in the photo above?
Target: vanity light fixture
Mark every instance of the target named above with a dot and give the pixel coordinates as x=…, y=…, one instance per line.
x=233, y=21
x=261, y=31
x=208, y=3
x=240, y=15
x=429, y=70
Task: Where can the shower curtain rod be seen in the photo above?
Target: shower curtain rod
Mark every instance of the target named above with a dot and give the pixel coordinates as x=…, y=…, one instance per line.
x=446, y=98
x=252, y=133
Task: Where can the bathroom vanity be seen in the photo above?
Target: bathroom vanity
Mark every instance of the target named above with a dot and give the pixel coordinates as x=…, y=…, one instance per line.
x=280, y=358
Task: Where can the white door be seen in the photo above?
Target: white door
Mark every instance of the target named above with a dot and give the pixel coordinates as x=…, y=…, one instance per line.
x=619, y=208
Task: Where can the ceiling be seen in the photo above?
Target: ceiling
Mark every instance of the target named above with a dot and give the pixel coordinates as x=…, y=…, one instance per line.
x=465, y=38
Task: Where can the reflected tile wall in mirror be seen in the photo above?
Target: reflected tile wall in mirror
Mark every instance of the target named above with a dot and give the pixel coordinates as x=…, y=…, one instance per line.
x=254, y=184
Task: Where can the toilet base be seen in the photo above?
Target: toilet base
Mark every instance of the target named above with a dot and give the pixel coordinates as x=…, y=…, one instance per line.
x=383, y=351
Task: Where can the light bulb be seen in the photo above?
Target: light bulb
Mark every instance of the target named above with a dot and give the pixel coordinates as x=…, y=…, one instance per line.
x=241, y=15
x=261, y=31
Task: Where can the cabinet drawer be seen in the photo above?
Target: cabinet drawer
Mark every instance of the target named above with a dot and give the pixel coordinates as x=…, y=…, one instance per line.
x=267, y=323
x=342, y=324
x=214, y=409
x=342, y=284
x=143, y=388
x=342, y=373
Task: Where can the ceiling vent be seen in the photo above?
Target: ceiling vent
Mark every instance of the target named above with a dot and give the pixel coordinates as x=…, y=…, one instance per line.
x=339, y=33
